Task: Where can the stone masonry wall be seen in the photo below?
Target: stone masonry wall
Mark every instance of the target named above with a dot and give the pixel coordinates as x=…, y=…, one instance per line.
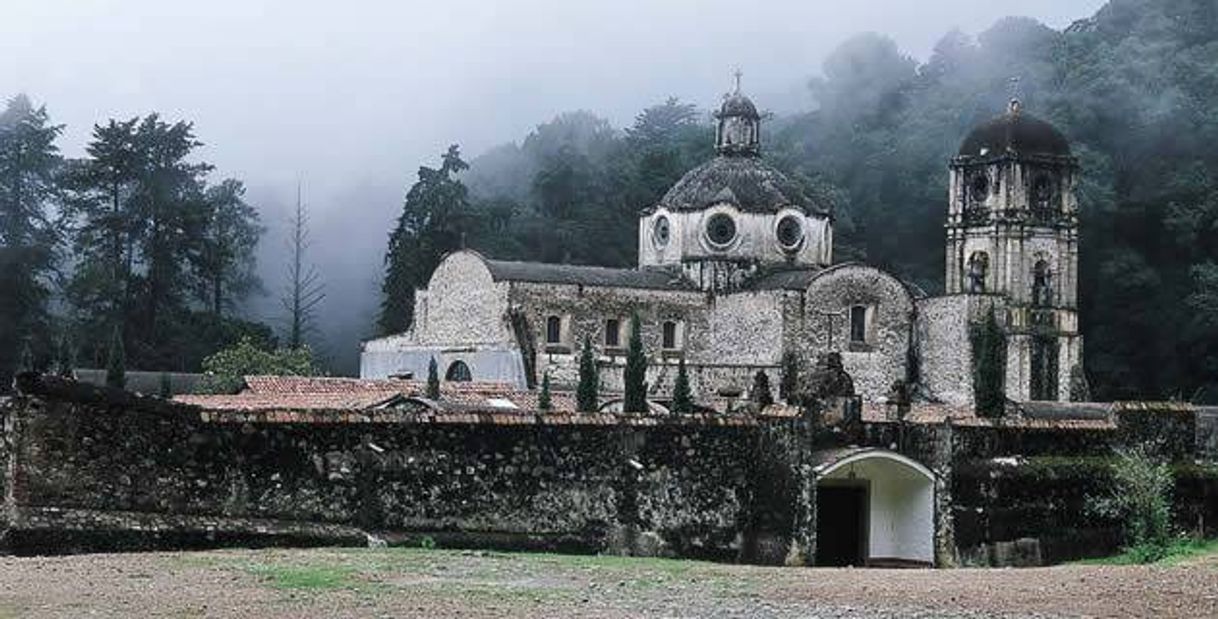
x=89, y=469
x=882, y=360
x=724, y=341
x=464, y=305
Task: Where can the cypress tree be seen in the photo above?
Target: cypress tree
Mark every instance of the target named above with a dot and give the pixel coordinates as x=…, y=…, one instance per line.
x=761, y=394
x=989, y=365
x=116, y=361
x=64, y=358
x=433, y=380
x=789, y=380
x=543, y=399
x=682, y=398
x=586, y=396
x=25, y=360
x=635, y=375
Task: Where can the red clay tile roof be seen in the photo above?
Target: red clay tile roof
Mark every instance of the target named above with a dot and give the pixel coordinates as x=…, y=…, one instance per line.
x=333, y=384
x=289, y=401
x=470, y=394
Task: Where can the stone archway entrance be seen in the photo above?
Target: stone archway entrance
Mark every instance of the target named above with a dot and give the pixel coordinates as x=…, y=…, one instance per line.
x=873, y=508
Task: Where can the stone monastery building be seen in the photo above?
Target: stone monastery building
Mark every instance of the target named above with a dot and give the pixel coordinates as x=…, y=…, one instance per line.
x=736, y=270
x=735, y=277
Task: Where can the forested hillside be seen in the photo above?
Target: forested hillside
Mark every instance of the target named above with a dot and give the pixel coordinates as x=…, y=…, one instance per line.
x=1135, y=88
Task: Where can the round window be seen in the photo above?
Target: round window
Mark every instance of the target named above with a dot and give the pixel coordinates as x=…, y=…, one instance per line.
x=661, y=232
x=721, y=229
x=980, y=188
x=790, y=232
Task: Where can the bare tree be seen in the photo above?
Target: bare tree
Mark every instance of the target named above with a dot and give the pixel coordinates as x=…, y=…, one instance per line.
x=304, y=290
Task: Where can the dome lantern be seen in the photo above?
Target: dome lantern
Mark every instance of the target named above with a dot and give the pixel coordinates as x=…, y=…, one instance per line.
x=739, y=124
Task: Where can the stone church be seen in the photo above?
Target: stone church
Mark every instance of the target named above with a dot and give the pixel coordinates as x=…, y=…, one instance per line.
x=736, y=272
x=735, y=276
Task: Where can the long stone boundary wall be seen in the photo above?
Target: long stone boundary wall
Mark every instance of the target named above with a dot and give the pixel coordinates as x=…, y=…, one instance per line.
x=85, y=468
x=92, y=468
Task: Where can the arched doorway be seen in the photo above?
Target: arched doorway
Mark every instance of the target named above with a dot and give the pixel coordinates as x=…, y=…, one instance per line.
x=873, y=507
x=459, y=372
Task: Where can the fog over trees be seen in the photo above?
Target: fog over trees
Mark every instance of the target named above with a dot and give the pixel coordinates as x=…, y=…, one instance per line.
x=127, y=226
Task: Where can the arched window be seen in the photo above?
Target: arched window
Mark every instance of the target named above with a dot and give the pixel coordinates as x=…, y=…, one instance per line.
x=613, y=333
x=669, y=335
x=458, y=372
x=1042, y=284
x=1042, y=196
x=858, y=324
x=978, y=268
x=553, y=330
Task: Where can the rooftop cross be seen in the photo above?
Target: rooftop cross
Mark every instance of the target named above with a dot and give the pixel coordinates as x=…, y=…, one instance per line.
x=738, y=75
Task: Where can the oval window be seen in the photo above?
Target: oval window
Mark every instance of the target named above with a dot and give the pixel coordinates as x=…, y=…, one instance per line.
x=661, y=232
x=790, y=232
x=721, y=229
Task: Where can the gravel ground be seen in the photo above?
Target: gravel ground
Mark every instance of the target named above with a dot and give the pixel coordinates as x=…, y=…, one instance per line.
x=436, y=583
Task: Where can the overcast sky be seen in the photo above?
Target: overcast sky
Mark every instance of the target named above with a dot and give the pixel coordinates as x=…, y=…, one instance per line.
x=353, y=95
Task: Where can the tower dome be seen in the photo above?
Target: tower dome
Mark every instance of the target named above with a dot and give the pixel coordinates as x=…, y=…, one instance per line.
x=1015, y=132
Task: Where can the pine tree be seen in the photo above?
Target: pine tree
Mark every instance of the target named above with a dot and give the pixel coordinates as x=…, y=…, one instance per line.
x=760, y=393
x=587, y=398
x=225, y=265
x=30, y=167
x=543, y=399
x=682, y=398
x=433, y=380
x=432, y=224
x=635, y=374
x=116, y=360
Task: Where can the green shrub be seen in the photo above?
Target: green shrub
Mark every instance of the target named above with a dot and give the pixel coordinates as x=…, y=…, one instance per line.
x=226, y=370
x=1141, y=499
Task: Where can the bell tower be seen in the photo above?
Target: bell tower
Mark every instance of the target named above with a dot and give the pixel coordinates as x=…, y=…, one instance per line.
x=1012, y=235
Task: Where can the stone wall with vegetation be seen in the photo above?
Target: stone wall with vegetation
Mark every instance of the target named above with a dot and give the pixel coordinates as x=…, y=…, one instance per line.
x=1027, y=494
x=92, y=466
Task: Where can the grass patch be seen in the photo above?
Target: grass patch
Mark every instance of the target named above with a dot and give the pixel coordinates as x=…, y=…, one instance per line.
x=1179, y=551
x=309, y=578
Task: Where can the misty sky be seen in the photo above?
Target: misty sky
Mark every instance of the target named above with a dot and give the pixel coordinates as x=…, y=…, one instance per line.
x=354, y=95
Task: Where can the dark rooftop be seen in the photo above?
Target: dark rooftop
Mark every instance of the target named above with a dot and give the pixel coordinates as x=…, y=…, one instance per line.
x=789, y=279
x=1015, y=132
x=546, y=273
x=746, y=182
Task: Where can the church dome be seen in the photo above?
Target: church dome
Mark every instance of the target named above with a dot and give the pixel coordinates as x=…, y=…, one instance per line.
x=737, y=175
x=747, y=183
x=1015, y=132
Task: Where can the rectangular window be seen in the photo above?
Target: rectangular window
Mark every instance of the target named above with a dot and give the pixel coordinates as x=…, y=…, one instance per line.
x=670, y=335
x=613, y=333
x=553, y=330
x=858, y=324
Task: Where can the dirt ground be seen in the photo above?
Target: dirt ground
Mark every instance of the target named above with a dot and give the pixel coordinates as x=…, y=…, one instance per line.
x=440, y=583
